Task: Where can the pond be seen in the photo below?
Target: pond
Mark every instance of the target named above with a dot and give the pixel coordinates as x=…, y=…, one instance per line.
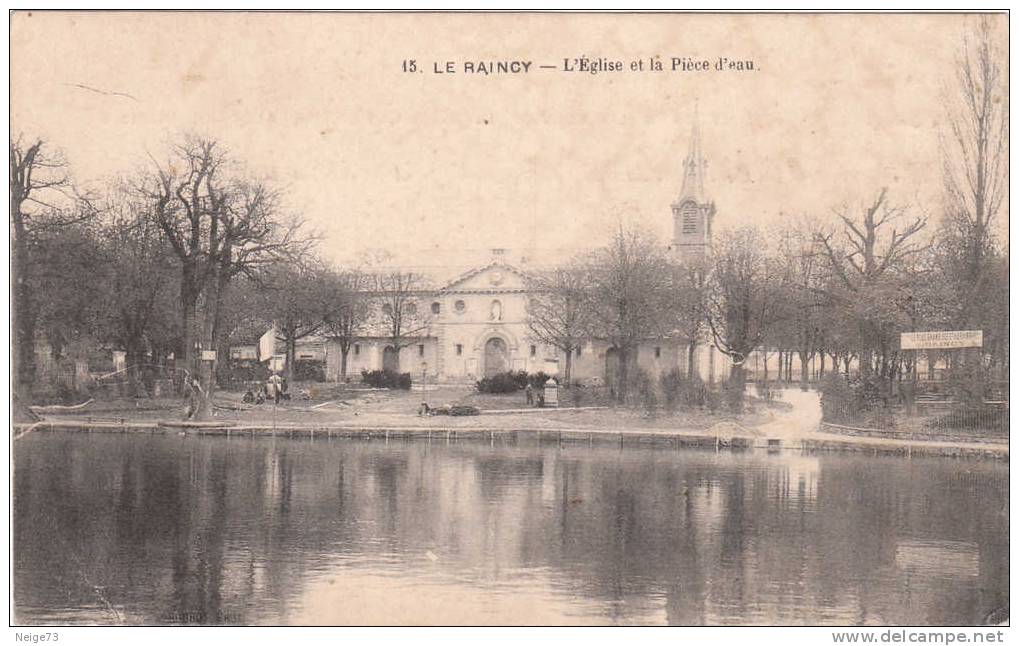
x=167, y=529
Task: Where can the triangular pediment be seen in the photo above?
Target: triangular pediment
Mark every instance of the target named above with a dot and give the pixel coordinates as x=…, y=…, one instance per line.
x=496, y=276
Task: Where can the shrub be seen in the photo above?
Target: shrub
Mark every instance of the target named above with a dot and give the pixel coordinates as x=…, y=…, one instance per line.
x=461, y=410
x=671, y=384
x=692, y=392
x=642, y=391
x=577, y=395
x=509, y=382
x=840, y=402
x=538, y=379
x=386, y=379
x=309, y=370
x=243, y=371
x=712, y=398
x=504, y=382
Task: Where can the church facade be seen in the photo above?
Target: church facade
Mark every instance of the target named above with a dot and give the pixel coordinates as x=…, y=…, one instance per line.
x=476, y=322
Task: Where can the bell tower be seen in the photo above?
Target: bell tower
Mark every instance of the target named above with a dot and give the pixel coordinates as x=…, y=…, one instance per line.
x=692, y=212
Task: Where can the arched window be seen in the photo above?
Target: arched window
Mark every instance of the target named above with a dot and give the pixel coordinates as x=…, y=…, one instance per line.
x=460, y=306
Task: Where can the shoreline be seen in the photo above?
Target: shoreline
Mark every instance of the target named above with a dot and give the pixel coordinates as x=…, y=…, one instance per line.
x=724, y=437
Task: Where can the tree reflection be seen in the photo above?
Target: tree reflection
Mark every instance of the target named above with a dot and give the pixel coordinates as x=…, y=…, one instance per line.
x=156, y=529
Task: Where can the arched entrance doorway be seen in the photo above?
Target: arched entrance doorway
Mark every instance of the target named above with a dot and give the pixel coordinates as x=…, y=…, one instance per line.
x=496, y=356
x=390, y=359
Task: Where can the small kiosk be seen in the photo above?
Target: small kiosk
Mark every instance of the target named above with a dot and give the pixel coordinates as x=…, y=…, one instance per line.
x=551, y=393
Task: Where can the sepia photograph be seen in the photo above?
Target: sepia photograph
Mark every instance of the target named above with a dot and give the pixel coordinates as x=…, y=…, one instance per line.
x=463, y=318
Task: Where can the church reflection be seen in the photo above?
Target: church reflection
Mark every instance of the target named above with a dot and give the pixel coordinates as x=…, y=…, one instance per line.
x=187, y=530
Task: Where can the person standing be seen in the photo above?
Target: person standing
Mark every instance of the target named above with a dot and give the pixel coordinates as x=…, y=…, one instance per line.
x=529, y=394
x=275, y=384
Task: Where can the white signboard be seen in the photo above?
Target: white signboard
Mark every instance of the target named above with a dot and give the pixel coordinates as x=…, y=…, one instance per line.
x=208, y=355
x=946, y=339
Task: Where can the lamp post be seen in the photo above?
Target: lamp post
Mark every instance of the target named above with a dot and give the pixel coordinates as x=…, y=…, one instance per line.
x=424, y=374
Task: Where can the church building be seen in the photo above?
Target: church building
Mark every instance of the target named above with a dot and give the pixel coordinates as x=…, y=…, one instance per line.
x=474, y=323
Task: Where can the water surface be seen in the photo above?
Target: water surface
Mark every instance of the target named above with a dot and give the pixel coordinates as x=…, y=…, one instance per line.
x=154, y=529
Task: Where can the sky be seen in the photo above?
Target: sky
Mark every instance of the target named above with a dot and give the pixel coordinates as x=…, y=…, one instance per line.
x=430, y=165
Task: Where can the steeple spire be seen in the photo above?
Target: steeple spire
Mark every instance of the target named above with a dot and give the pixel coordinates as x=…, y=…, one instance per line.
x=693, y=214
x=694, y=166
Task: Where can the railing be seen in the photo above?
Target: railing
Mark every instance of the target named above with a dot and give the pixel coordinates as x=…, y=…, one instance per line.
x=941, y=419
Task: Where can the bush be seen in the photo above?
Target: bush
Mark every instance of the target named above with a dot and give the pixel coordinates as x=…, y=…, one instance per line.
x=243, y=371
x=505, y=382
x=840, y=402
x=309, y=370
x=642, y=391
x=538, y=379
x=693, y=393
x=386, y=379
x=671, y=384
x=462, y=410
x=509, y=382
x=712, y=398
x=519, y=378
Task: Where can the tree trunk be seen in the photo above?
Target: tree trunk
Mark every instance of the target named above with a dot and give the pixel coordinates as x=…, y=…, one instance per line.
x=804, y=369
x=218, y=336
x=23, y=314
x=291, y=358
x=737, y=387
x=344, y=351
x=199, y=407
x=568, y=368
x=866, y=362
x=132, y=361
x=821, y=372
x=691, y=357
x=624, y=374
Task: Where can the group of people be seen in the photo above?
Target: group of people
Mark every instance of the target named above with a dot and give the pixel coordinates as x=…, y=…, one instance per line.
x=532, y=399
x=274, y=389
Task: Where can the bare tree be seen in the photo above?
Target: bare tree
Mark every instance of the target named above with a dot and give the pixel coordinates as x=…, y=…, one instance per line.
x=139, y=278
x=744, y=301
x=629, y=288
x=558, y=312
x=218, y=224
x=255, y=235
x=871, y=252
x=41, y=198
x=348, y=311
x=397, y=295
x=688, y=289
x=975, y=172
x=297, y=300
x=976, y=156
x=802, y=265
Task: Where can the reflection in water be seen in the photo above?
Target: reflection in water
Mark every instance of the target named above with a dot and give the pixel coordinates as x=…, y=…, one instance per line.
x=157, y=529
